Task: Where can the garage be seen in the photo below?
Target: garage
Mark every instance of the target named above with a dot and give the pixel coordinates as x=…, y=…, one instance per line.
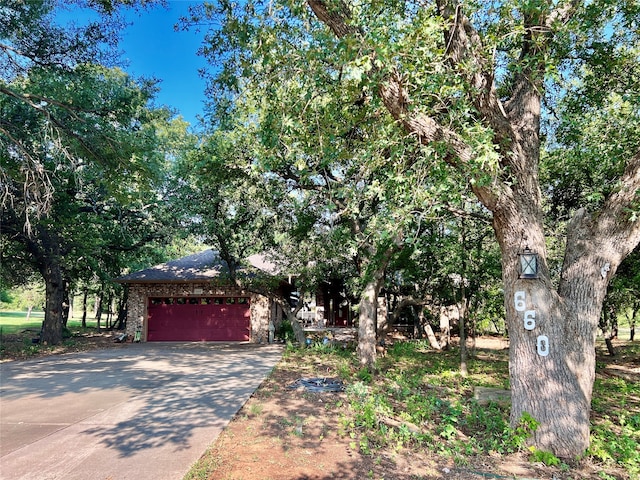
x=193, y=299
x=198, y=319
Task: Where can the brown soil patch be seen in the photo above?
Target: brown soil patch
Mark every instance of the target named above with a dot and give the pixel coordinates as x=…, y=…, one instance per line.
x=19, y=346
x=283, y=433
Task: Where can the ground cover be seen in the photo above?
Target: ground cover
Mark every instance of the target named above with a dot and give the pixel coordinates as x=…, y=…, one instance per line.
x=416, y=418
x=18, y=335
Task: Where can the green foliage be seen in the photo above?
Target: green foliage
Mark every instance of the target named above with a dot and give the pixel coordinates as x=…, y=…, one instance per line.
x=526, y=427
x=24, y=297
x=615, y=435
x=285, y=332
x=83, y=157
x=5, y=298
x=541, y=456
x=364, y=375
x=416, y=400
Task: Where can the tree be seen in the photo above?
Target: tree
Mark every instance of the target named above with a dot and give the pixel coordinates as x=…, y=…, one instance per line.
x=77, y=141
x=34, y=42
x=472, y=85
x=623, y=299
x=93, y=210
x=342, y=197
x=218, y=201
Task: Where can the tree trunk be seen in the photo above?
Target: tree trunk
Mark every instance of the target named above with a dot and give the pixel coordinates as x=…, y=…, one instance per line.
x=368, y=315
x=462, y=304
x=121, y=321
x=109, y=320
x=98, y=307
x=551, y=366
x=445, y=330
x=298, y=331
x=85, y=294
x=433, y=341
x=66, y=304
x=553, y=332
x=54, y=305
x=464, y=354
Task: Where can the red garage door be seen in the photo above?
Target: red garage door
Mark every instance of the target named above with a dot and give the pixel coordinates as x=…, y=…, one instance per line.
x=197, y=319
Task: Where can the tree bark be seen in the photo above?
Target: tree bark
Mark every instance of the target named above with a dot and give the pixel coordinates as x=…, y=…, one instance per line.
x=368, y=306
x=85, y=294
x=54, y=306
x=433, y=341
x=45, y=248
x=67, y=310
x=121, y=321
x=367, y=317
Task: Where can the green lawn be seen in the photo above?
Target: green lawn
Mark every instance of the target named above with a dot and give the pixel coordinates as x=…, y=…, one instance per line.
x=13, y=322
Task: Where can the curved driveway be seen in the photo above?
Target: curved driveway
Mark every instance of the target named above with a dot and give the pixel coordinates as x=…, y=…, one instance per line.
x=142, y=411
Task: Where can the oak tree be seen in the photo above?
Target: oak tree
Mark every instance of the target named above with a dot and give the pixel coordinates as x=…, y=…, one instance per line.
x=477, y=86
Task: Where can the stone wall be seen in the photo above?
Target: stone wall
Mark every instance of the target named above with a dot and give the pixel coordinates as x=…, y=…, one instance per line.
x=139, y=294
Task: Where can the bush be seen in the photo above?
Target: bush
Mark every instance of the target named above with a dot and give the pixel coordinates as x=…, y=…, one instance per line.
x=285, y=332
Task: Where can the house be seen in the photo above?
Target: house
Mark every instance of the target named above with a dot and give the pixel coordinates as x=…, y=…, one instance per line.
x=194, y=299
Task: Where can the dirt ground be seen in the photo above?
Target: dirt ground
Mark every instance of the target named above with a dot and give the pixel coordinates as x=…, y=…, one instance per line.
x=284, y=433
x=19, y=346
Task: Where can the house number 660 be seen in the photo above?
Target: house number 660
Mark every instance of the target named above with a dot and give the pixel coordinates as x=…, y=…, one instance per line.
x=520, y=304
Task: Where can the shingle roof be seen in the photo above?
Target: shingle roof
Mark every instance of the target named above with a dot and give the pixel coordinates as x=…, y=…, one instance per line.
x=205, y=265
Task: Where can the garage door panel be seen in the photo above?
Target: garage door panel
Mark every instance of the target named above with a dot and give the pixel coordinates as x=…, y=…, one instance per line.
x=198, y=319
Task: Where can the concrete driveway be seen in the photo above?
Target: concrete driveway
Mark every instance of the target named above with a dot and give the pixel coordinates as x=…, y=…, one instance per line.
x=142, y=411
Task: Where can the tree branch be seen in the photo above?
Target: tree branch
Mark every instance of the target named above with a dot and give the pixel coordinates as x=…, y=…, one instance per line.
x=465, y=47
x=615, y=224
x=395, y=97
x=335, y=16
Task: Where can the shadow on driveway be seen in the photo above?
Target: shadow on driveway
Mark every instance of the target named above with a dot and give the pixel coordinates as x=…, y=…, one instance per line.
x=142, y=411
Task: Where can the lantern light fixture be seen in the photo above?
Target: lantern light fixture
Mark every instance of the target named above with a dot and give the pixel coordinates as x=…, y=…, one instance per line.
x=528, y=263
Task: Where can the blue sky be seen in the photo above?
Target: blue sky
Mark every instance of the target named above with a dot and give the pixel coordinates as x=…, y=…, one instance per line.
x=152, y=48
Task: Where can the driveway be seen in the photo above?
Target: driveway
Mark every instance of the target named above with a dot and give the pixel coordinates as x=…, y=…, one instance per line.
x=142, y=411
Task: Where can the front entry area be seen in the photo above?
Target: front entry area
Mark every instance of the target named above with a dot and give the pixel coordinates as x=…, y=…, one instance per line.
x=198, y=319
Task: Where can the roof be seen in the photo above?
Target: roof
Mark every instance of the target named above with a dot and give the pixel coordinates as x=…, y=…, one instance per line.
x=203, y=266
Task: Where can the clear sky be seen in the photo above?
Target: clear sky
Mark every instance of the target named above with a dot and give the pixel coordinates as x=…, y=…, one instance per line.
x=153, y=48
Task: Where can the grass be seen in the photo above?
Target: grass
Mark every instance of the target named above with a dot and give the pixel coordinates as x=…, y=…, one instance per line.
x=418, y=401
x=17, y=334
x=14, y=322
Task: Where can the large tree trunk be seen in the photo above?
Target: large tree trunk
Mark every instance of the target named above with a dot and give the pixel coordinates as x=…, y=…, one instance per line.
x=553, y=331
x=45, y=247
x=368, y=316
x=54, y=306
x=298, y=331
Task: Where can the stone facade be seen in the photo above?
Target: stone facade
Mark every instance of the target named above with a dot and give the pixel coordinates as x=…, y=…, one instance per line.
x=139, y=293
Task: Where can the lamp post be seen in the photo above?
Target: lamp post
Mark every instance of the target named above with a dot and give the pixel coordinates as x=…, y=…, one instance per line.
x=528, y=263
